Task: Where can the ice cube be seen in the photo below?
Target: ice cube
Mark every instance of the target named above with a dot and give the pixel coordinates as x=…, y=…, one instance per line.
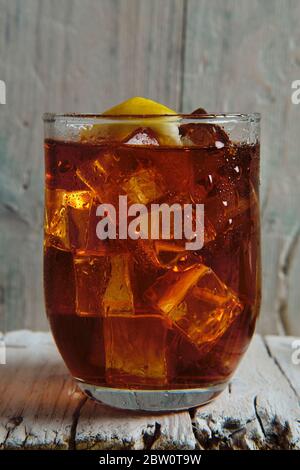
x=58, y=232
x=225, y=204
x=176, y=167
x=114, y=174
x=202, y=306
x=118, y=297
x=143, y=186
x=157, y=130
x=211, y=309
x=135, y=349
x=164, y=246
x=173, y=253
x=61, y=160
x=96, y=246
x=212, y=362
x=169, y=290
x=144, y=270
x=199, y=111
x=169, y=252
x=55, y=218
x=67, y=215
x=96, y=173
x=78, y=205
x=142, y=136
x=92, y=274
x=203, y=135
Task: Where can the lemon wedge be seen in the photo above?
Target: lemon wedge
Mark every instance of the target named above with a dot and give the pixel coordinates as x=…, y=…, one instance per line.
x=165, y=127
x=139, y=105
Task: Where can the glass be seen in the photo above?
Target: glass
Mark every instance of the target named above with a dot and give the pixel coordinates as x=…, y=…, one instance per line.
x=144, y=322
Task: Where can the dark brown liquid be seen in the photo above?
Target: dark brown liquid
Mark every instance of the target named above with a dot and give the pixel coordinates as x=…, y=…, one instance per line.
x=148, y=313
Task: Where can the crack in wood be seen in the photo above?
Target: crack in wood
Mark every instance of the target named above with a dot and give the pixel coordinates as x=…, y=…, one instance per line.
x=182, y=54
x=259, y=420
x=285, y=261
x=75, y=418
x=242, y=429
x=192, y=414
x=150, y=438
x=278, y=435
x=265, y=201
x=280, y=368
x=11, y=425
x=27, y=435
x=14, y=212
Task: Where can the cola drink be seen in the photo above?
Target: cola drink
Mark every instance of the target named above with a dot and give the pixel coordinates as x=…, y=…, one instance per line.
x=146, y=313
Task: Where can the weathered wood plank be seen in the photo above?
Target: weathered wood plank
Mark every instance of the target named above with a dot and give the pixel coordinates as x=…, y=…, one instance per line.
x=100, y=427
x=41, y=408
x=67, y=56
x=259, y=410
x=231, y=56
x=242, y=56
x=38, y=397
x=286, y=353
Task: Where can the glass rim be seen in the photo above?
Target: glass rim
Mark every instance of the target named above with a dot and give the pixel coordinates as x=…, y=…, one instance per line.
x=205, y=118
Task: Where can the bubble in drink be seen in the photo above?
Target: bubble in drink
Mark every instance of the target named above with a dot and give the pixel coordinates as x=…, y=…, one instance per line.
x=225, y=205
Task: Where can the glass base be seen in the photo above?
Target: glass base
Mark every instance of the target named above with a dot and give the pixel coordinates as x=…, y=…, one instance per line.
x=151, y=400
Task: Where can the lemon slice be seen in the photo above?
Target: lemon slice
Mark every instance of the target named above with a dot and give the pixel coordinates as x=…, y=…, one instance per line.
x=166, y=128
x=139, y=105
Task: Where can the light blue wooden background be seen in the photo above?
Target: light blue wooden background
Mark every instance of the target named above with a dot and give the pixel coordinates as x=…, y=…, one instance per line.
x=86, y=55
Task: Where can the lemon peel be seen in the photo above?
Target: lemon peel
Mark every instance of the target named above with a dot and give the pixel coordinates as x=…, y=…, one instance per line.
x=165, y=127
x=139, y=105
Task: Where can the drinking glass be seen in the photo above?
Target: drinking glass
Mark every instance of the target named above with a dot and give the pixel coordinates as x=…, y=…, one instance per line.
x=152, y=253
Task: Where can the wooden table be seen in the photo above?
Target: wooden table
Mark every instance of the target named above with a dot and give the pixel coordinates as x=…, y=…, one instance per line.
x=42, y=408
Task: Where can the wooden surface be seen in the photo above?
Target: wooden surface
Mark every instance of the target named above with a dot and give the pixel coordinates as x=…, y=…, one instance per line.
x=41, y=407
x=231, y=55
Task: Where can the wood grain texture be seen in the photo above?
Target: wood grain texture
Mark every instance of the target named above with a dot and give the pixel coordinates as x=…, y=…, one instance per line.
x=285, y=352
x=231, y=55
x=242, y=56
x=42, y=408
x=38, y=397
x=259, y=410
x=100, y=427
x=67, y=56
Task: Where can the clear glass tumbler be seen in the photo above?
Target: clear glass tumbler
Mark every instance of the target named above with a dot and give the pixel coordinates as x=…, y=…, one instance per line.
x=152, y=253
